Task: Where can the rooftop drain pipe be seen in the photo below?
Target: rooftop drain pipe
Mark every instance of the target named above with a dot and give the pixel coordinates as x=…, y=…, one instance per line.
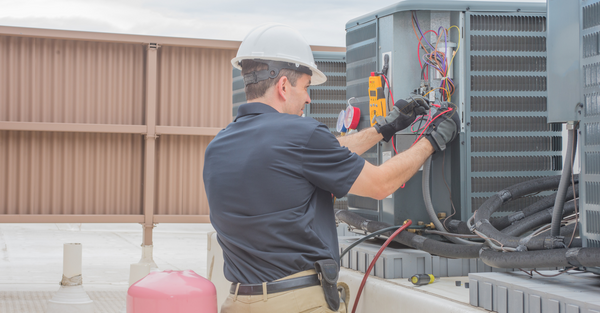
x=71, y=298
x=142, y=268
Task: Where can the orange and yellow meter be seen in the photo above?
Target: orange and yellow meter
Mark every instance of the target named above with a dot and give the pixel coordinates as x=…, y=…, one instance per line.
x=377, y=105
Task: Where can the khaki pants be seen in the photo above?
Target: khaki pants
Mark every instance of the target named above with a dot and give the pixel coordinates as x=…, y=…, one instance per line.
x=305, y=300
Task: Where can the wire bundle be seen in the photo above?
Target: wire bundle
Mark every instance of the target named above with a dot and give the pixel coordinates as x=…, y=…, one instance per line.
x=434, y=58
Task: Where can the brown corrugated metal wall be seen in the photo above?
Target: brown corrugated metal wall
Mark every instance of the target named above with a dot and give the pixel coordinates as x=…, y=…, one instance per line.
x=101, y=127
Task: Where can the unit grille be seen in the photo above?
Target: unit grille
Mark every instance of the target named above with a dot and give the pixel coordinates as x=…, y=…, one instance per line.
x=359, y=34
x=592, y=104
x=593, y=222
x=592, y=162
x=331, y=67
x=358, y=90
x=508, y=83
x=591, y=75
x=592, y=192
x=328, y=99
x=495, y=184
x=326, y=108
x=239, y=98
x=591, y=15
x=335, y=81
x=514, y=144
x=361, y=50
x=510, y=206
x=361, y=53
x=592, y=134
x=590, y=122
x=509, y=23
x=508, y=104
x=516, y=163
x=510, y=124
x=359, y=70
x=508, y=136
x=330, y=122
x=508, y=63
x=591, y=243
x=508, y=43
x=328, y=94
x=340, y=204
x=238, y=84
x=590, y=45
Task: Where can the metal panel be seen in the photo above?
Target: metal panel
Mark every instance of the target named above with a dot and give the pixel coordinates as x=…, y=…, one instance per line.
x=358, y=69
x=532, y=6
x=70, y=173
x=75, y=108
x=589, y=29
x=63, y=81
x=194, y=87
x=179, y=184
x=508, y=138
x=563, y=60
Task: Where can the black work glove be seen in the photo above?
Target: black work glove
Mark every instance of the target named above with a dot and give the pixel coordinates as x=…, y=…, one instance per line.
x=401, y=116
x=443, y=129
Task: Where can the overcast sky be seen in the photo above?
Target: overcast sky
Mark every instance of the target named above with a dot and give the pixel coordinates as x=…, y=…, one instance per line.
x=322, y=22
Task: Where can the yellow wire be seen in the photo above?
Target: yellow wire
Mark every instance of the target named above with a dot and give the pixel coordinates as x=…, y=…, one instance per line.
x=432, y=90
x=453, y=55
x=458, y=47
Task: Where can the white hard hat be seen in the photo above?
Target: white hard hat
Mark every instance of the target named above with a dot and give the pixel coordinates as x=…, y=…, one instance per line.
x=280, y=43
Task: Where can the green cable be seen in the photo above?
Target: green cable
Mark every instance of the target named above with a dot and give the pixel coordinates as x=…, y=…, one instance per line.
x=371, y=235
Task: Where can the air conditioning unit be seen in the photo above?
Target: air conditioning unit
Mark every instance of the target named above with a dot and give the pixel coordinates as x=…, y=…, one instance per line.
x=495, y=53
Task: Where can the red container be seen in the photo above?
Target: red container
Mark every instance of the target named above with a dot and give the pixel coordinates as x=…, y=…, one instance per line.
x=172, y=292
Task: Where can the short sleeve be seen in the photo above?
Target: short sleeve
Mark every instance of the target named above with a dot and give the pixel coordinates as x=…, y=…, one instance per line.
x=328, y=165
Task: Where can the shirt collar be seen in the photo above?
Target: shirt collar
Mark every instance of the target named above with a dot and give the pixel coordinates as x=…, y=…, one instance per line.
x=254, y=108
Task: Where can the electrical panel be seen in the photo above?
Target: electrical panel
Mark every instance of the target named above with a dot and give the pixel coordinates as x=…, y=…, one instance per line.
x=499, y=76
x=563, y=61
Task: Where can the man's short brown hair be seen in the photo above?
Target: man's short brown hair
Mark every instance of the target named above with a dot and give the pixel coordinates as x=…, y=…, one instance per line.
x=257, y=90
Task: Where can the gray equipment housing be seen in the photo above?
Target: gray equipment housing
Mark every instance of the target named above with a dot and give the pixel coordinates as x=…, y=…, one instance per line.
x=589, y=114
x=500, y=76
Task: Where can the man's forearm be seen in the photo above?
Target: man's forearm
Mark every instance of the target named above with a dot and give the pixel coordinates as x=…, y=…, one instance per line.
x=380, y=181
x=362, y=141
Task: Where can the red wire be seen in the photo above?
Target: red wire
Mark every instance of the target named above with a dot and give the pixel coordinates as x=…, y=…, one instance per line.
x=449, y=109
x=390, y=89
x=387, y=242
x=392, y=96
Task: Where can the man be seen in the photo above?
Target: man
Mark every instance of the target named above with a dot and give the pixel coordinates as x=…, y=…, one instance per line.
x=270, y=175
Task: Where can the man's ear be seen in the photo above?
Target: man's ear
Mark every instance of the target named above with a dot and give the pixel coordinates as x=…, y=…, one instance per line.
x=282, y=87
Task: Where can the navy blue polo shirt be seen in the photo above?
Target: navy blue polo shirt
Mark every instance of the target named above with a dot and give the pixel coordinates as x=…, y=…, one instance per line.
x=269, y=178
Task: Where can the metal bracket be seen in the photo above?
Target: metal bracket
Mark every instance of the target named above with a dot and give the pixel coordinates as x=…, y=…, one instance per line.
x=153, y=46
x=571, y=125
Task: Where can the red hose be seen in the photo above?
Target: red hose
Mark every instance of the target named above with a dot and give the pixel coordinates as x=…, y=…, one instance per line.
x=387, y=242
